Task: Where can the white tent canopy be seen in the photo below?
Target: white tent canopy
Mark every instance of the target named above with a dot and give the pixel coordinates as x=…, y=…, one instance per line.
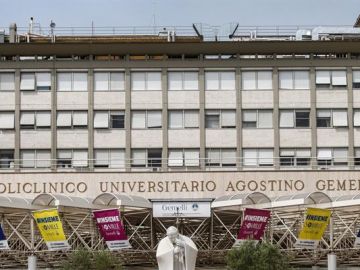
x=241, y=199
x=121, y=199
x=51, y=200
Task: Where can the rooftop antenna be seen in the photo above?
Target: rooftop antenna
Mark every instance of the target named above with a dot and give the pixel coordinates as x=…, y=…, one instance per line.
x=52, y=28
x=31, y=25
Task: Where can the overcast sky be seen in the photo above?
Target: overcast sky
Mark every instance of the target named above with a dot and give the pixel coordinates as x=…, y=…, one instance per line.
x=179, y=12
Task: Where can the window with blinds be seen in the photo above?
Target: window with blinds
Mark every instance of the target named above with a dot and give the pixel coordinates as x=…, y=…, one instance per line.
x=221, y=157
x=109, y=81
x=221, y=80
x=7, y=81
x=35, y=120
x=332, y=156
x=295, y=157
x=109, y=119
x=109, y=158
x=72, y=119
x=146, y=119
x=7, y=120
x=294, y=79
x=331, y=79
x=258, y=157
x=328, y=118
x=72, y=81
x=294, y=118
x=31, y=81
x=35, y=158
x=180, y=119
x=184, y=158
x=220, y=119
x=257, y=80
x=187, y=80
x=146, y=81
x=257, y=118
x=72, y=158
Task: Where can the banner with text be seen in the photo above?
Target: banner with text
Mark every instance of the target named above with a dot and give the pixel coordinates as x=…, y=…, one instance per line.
x=3, y=242
x=51, y=229
x=315, y=224
x=253, y=225
x=111, y=228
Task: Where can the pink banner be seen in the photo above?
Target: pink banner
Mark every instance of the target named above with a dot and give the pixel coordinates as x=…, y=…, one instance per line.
x=111, y=228
x=254, y=224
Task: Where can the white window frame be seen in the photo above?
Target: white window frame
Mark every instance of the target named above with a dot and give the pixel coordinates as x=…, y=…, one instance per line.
x=293, y=79
x=72, y=81
x=146, y=75
x=258, y=112
x=4, y=80
x=182, y=81
x=255, y=75
x=221, y=82
x=257, y=161
x=109, y=81
x=219, y=154
x=147, y=122
x=322, y=84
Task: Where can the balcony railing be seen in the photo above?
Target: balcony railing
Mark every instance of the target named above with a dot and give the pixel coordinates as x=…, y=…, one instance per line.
x=162, y=164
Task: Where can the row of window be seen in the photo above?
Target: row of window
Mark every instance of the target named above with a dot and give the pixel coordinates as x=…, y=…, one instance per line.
x=179, y=80
x=224, y=157
x=179, y=119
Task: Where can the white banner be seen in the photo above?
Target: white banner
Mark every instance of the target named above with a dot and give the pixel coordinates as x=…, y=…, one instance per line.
x=181, y=209
x=4, y=245
x=118, y=244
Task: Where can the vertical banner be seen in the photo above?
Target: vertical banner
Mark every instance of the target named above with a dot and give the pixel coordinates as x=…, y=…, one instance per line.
x=357, y=240
x=253, y=226
x=3, y=242
x=315, y=224
x=51, y=229
x=111, y=228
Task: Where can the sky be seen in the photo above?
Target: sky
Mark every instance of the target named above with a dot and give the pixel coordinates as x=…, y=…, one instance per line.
x=179, y=12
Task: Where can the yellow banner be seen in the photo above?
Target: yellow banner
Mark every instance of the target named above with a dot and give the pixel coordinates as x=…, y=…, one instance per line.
x=315, y=224
x=50, y=227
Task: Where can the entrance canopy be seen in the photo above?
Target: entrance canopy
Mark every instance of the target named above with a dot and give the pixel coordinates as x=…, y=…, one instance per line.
x=121, y=199
x=254, y=198
x=51, y=200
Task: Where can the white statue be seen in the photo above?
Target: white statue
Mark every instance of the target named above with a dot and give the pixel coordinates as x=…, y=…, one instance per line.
x=176, y=251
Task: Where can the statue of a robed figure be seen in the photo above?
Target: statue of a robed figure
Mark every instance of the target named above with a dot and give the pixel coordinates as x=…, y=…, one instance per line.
x=176, y=251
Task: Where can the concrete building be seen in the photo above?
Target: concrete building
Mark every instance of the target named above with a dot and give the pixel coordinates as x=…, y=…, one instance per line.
x=173, y=115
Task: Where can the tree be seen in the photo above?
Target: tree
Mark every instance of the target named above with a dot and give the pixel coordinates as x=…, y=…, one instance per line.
x=105, y=260
x=79, y=260
x=256, y=256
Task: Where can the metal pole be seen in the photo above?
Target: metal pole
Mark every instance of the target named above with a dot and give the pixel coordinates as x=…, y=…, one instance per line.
x=32, y=262
x=331, y=261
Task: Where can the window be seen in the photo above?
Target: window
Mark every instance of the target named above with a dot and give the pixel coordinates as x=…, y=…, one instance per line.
x=258, y=157
x=294, y=118
x=220, y=119
x=146, y=81
x=72, y=158
x=184, y=157
x=146, y=119
x=76, y=81
x=35, y=119
x=257, y=118
x=356, y=79
x=224, y=80
x=7, y=120
x=183, y=80
x=146, y=158
x=329, y=79
x=35, y=159
x=109, y=119
x=356, y=117
x=109, y=81
x=183, y=119
x=357, y=157
x=7, y=81
x=332, y=156
x=35, y=81
x=109, y=158
x=72, y=119
x=257, y=80
x=6, y=159
x=221, y=157
x=296, y=79
x=331, y=118
x=295, y=157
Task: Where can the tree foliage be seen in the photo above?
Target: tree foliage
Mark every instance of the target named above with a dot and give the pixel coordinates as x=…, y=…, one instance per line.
x=83, y=259
x=253, y=256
